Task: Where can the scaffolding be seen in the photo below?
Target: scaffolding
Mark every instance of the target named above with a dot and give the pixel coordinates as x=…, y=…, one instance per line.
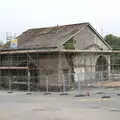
x=57, y=70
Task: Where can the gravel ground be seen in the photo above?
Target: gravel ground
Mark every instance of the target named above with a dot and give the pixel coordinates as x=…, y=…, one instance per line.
x=37, y=106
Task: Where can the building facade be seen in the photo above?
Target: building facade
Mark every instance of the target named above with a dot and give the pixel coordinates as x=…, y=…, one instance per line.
x=54, y=57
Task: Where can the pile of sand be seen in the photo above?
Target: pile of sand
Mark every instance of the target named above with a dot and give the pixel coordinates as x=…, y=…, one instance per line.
x=109, y=84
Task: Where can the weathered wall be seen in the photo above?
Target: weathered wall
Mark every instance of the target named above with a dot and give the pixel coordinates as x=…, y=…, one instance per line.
x=47, y=64
x=51, y=67
x=87, y=39
x=85, y=66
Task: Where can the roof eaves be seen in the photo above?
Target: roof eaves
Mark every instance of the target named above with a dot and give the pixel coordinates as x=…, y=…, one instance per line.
x=100, y=36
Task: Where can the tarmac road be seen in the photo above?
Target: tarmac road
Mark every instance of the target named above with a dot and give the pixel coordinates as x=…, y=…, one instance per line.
x=19, y=106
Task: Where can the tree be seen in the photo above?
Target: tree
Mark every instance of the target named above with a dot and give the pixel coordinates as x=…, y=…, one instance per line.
x=113, y=41
x=1, y=44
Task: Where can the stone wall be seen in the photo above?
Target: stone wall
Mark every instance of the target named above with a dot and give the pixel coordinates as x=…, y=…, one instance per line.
x=87, y=39
x=85, y=66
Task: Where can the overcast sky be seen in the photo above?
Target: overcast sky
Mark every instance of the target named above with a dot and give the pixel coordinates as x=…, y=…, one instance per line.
x=20, y=15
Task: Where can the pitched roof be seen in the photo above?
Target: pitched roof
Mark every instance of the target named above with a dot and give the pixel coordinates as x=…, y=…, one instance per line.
x=51, y=37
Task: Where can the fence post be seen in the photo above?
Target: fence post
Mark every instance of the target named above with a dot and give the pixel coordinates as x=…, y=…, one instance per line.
x=10, y=84
x=28, y=82
x=47, y=83
x=64, y=86
x=47, y=86
x=79, y=90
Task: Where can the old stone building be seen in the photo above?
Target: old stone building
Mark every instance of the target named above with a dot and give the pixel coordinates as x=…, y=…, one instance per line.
x=54, y=55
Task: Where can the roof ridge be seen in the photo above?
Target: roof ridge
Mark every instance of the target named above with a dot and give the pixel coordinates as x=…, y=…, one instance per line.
x=59, y=26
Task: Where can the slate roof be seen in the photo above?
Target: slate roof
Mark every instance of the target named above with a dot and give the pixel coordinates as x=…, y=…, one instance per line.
x=51, y=37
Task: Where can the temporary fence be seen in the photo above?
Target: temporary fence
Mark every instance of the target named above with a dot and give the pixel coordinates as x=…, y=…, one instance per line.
x=62, y=71
x=44, y=83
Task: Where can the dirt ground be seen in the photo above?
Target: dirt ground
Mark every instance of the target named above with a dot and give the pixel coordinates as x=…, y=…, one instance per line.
x=111, y=84
x=37, y=106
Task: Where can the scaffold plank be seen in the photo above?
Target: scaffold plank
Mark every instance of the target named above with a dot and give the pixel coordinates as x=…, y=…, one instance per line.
x=12, y=68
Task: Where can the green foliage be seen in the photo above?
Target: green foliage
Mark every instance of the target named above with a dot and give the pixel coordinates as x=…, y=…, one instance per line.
x=70, y=44
x=1, y=43
x=6, y=45
x=113, y=41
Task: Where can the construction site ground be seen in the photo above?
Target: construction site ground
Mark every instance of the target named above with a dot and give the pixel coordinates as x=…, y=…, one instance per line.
x=109, y=83
x=37, y=106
